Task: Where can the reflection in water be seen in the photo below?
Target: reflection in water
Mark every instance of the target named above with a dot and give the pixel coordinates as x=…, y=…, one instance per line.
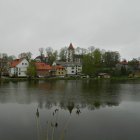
x=70, y=106
x=70, y=110
x=78, y=111
x=52, y=125
x=102, y=92
x=86, y=93
x=37, y=124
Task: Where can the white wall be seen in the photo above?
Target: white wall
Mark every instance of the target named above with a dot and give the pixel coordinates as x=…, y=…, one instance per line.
x=11, y=72
x=20, y=69
x=73, y=70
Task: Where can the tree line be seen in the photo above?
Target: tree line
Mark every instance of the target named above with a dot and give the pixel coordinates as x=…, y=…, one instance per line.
x=94, y=60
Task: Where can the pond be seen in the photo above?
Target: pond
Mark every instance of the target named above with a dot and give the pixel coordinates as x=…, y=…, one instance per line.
x=70, y=110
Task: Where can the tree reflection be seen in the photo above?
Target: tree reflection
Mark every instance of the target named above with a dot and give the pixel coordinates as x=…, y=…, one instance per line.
x=66, y=94
x=103, y=93
x=87, y=93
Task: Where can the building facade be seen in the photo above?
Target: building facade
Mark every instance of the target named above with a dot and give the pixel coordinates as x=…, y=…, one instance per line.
x=72, y=68
x=18, y=68
x=42, y=69
x=58, y=71
x=73, y=64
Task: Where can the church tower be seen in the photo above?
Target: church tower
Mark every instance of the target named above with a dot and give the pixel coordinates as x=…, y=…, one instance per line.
x=70, y=53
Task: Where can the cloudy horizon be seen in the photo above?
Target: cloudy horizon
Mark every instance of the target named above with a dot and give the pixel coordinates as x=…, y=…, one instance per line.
x=27, y=25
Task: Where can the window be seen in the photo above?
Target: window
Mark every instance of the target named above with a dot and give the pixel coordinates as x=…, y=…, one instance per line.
x=72, y=71
x=22, y=63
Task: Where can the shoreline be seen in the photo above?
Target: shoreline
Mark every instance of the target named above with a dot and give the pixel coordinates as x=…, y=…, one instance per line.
x=7, y=79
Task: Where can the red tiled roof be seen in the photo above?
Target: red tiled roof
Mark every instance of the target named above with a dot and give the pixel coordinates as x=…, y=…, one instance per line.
x=57, y=67
x=71, y=47
x=42, y=66
x=15, y=62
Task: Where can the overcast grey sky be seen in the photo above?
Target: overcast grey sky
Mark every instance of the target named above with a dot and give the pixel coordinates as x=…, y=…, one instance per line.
x=27, y=25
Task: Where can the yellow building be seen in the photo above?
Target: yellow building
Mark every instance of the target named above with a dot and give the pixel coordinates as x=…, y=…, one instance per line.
x=58, y=71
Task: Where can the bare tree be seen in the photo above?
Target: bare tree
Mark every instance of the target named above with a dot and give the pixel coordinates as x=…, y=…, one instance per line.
x=77, y=50
x=26, y=55
x=41, y=50
x=3, y=64
x=91, y=49
x=84, y=51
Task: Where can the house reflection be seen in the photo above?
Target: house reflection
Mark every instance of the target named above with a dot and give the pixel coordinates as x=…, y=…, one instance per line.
x=65, y=94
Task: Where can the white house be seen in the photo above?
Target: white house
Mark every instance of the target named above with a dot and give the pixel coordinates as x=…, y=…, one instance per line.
x=72, y=68
x=73, y=64
x=18, y=68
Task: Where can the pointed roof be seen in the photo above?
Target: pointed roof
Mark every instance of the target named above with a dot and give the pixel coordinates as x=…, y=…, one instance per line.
x=15, y=62
x=71, y=47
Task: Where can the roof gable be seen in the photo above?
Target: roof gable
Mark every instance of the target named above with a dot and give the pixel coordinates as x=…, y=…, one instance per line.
x=71, y=47
x=15, y=62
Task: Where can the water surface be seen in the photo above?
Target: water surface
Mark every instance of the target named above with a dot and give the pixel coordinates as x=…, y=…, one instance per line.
x=70, y=110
